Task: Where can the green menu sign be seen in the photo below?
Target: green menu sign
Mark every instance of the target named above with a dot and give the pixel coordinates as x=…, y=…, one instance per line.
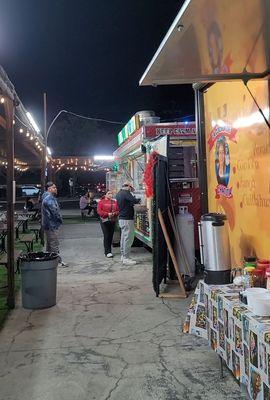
x=132, y=125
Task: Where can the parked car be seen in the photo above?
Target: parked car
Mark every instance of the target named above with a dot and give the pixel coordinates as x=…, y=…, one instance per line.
x=22, y=191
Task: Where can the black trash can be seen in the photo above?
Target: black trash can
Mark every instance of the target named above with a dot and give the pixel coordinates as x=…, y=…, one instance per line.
x=39, y=280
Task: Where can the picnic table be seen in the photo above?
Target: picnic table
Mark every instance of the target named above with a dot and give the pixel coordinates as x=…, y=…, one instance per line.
x=20, y=219
x=23, y=221
x=4, y=260
x=4, y=232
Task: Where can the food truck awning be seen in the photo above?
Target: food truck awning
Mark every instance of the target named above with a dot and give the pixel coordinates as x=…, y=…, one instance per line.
x=213, y=40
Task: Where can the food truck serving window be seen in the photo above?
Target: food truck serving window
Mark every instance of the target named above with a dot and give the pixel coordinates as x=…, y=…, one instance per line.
x=138, y=170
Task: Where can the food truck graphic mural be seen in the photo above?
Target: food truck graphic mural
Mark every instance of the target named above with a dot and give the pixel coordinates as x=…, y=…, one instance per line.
x=218, y=141
x=238, y=164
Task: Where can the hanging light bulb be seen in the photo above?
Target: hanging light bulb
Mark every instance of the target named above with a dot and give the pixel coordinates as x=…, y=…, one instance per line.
x=21, y=130
x=27, y=134
x=2, y=100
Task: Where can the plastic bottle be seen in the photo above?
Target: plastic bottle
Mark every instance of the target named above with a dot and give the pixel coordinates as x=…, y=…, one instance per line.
x=248, y=282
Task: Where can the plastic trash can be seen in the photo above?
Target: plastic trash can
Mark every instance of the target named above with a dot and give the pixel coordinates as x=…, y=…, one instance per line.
x=39, y=280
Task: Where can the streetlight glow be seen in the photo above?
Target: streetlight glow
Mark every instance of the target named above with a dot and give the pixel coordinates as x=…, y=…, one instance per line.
x=33, y=122
x=103, y=158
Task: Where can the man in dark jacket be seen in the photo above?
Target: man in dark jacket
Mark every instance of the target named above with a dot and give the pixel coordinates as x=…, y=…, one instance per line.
x=126, y=202
x=51, y=219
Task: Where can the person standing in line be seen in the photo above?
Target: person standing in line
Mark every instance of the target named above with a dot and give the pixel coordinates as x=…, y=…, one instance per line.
x=126, y=202
x=71, y=187
x=108, y=211
x=84, y=202
x=51, y=219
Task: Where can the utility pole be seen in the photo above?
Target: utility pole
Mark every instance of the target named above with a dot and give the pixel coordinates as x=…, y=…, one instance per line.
x=44, y=153
x=11, y=192
x=44, y=160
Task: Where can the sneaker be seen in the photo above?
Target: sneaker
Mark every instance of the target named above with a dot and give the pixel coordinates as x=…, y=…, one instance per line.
x=62, y=265
x=109, y=255
x=128, y=261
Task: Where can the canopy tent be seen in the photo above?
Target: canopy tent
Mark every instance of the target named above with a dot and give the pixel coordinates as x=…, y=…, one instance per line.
x=21, y=145
x=28, y=141
x=212, y=40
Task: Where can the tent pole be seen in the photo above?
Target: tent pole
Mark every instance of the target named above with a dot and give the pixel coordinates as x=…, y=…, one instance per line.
x=11, y=191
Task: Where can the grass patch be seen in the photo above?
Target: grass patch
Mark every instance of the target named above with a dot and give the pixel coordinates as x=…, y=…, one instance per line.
x=4, y=311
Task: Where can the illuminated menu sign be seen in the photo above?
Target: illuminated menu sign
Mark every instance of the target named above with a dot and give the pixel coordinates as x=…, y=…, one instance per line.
x=132, y=125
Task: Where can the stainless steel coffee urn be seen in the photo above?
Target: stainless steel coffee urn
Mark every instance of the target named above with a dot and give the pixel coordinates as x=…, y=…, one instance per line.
x=215, y=248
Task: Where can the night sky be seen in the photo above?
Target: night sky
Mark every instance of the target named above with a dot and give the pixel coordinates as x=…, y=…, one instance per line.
x=88, y=55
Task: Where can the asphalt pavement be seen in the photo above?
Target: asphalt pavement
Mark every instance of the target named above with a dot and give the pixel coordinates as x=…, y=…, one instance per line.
x=108, y=337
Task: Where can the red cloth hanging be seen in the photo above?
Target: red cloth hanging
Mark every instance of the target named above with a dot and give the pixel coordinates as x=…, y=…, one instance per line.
x=148, y=177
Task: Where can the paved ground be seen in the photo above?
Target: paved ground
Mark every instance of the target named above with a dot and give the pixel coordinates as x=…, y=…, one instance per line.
x=108, y=338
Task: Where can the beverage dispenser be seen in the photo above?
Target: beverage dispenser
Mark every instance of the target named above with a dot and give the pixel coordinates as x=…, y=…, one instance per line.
x=215, y=248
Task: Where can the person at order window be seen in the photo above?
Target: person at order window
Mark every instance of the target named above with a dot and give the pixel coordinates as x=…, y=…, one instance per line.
x=126, y=202
x=108, y=211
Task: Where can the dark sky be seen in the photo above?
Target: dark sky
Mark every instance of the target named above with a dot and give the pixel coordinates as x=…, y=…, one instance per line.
x=89, y=56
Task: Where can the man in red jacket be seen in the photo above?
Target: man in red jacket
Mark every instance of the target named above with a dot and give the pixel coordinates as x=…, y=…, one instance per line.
x=108, y=212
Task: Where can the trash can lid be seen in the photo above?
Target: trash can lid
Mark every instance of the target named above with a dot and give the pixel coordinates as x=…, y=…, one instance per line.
x=213, y=217
x=39, y=256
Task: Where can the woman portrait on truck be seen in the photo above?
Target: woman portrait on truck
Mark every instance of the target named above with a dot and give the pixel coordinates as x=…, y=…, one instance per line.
x=222, y=162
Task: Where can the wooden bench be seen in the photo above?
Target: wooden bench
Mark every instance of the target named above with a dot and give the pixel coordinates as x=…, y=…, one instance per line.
x=17, y=254
x=28, y=240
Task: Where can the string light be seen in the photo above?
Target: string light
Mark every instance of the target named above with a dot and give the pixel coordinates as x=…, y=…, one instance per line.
x=27, y=134
x=21, y=130
x=2, y=100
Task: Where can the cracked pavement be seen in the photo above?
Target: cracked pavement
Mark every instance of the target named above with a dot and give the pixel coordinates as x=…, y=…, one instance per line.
x=108, y=337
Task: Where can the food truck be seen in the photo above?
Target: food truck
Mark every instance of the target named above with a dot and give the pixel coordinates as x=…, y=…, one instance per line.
x=174, y=144
x=222, y=48
x=231, y=82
